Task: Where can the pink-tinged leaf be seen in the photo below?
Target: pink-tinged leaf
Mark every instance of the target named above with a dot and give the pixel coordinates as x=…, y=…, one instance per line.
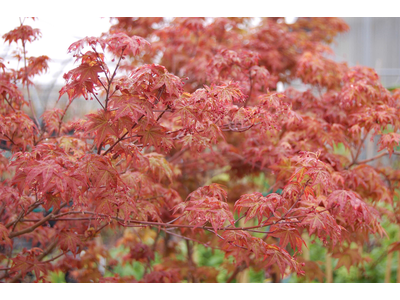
x=29, y=262
x=4, y=239
x=121, y=44
x=101, y=124
x=287, y=235
x=258, y=205
x=389, y=141
x=69, y=241
x=323, y=225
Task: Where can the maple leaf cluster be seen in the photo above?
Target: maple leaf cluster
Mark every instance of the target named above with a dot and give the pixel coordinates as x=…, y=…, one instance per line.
x=189, y=119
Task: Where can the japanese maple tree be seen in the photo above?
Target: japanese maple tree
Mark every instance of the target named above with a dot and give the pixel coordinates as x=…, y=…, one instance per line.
x=189, y=122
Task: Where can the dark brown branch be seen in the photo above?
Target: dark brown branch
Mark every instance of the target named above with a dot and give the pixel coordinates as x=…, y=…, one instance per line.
x=9, y=104
x=30, y=229
x=112, y=78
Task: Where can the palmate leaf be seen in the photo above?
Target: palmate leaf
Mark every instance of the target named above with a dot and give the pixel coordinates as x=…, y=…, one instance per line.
x=28, y=263
x=196, y=142
x=323, y=225
x=237, y=237
x=147, y=211
x=148, y=79
x=51, y=119
x=287, y=235
x=91, y=41
x=258, y=205
x=229, y=92
x=101, y=123
x=213, y=190
x=87, y=72
x=120, y=43
x=99, y=172
x=281, y=258
x=131, y=105
x=159, y=167
x=154, y=135
x=81, y=80
x=106, y=203
x=205, y=209
x=44, y=172
x=271, y=254
x=356, y=212
x=69, y=241
x=389, y=141
x=187, y=111
x=127, y=207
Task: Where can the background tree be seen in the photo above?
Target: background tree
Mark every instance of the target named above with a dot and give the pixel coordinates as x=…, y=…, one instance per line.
x=194, y=148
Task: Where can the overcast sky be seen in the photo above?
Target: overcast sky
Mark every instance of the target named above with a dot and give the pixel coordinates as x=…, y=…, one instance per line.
x=58, y=33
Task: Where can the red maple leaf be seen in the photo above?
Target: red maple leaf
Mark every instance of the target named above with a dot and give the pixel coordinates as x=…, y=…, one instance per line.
x=69, y=241
x=287, y=235
x=28, y=263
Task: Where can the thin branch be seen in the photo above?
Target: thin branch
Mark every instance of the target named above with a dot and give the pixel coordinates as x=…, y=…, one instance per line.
x=29, y=210
x=9, y=104
x=375, y=157
x=10, y=139
x=131, y=137
x=172, y=221
x=359, y=150
x=27, y=84
x=160, y=116
x=126, y=133
x=54, y=258
x=32, y=228
x=235, y=221
x=101, y=104
x=112, y=78
x=62, y=117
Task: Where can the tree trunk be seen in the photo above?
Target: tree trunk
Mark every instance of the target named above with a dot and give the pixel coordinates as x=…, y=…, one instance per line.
x=388, y=267
x=328, y=271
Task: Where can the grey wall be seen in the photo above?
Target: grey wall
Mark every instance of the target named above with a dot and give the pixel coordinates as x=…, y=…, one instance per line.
x=372, y=42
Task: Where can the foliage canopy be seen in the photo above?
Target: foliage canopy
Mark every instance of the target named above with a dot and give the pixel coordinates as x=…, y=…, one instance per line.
x=189, y=123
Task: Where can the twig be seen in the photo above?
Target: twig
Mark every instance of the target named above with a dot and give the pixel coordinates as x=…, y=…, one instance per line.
x=359, y=149
x=30, y=229
x=112, y=78
x=375, y=157
x=126, y=133
x=9, y=104
x=62, y=117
